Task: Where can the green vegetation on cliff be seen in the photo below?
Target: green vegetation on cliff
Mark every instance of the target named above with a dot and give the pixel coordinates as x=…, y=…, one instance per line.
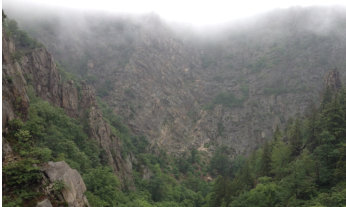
x=303, y=166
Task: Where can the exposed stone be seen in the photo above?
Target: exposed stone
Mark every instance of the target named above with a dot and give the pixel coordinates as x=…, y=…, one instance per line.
x=146, y=173
x=38, y=68
x=332, y=80
x=99, y=130
x=73, y=192
x=14, y=96
x=88, y=97
x=7, y=153
x=44, y=203
x=69, y=98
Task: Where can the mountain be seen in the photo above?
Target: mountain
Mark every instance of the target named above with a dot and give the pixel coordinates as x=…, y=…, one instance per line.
x=195, y=92
x=35, y=91
x=133, y=112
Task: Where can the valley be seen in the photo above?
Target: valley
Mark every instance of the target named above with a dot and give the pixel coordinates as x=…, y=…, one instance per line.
x=167, y=119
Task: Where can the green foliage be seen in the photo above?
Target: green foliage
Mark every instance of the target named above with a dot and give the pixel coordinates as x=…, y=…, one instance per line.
x=95, y=201
x=104, y=88
x=220, y=163
x=263, y=195
x=335, y=198
x=280, y=159
x=304, y=165
x=295, y=138
x=57, y=187
x=21, y=38
x=7, y=201
x=103, y=186
x=66, y=76
x=62, y=135
x=22, y=174
x=131, y=143
x=16, y=56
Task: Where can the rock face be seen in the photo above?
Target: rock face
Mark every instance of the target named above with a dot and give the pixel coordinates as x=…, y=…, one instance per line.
x=99, y=129
x=183, y=93
x=74, y=189
x=179, y=92
x=15, y=101
x=37, y=68
x=69, y=97
x=41, y=71
x=332, y=80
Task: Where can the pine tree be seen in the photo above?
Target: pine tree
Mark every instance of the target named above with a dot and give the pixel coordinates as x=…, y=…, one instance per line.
x=266, y=160
x=277, y=134
x=295, y=139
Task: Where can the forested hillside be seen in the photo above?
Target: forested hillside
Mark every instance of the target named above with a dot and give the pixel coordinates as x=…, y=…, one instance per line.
x=304, y=165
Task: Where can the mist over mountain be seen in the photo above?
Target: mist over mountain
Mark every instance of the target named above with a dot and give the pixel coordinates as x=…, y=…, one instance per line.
x=233, y=87
x=158, y=99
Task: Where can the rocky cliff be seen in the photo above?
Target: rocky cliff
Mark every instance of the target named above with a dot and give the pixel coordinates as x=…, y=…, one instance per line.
x=194, y=93
x=15, y=101
x=231, y=89
x=36, y=68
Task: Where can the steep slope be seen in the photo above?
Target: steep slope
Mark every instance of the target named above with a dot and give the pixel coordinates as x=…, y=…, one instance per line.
x=277, y=63
x=185, y=94
x=46, y=153
x=25, y=67
x=143, y=73
x=24, y=182
x=303, y=165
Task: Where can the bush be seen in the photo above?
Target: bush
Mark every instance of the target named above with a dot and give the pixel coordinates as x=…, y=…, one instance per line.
x=103, y=185
x=22, y=174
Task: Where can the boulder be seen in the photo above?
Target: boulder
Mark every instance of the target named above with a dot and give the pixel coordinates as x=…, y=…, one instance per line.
x=44, y=203
x=73, y=192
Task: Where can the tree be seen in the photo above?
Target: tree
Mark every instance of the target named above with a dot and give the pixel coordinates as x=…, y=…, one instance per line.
x=295, y=139
x=220, y=163
x=103, y=184
x=265, y=194
x=280, y=159
x=265, y=168
x=221, y=194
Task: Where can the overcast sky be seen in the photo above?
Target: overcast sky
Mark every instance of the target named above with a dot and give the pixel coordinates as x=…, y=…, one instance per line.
x=194, y=12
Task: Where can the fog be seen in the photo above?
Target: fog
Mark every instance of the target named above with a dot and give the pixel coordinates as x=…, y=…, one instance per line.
x=193, y=13
x=86, y=25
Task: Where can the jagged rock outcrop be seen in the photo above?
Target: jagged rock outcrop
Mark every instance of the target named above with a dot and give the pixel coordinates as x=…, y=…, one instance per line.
x=40, y=68
x=37, y=68
x=15, y=101
x=69, y=97
x=74, y=189
x=332, y=80
x=87, y=99
x=100, y=130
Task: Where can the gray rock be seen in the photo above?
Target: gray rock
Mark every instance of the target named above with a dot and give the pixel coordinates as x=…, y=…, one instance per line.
x=73, y=192
x=44, y=203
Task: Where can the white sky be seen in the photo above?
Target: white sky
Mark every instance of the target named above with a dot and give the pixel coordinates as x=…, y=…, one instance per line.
x=195, y=12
